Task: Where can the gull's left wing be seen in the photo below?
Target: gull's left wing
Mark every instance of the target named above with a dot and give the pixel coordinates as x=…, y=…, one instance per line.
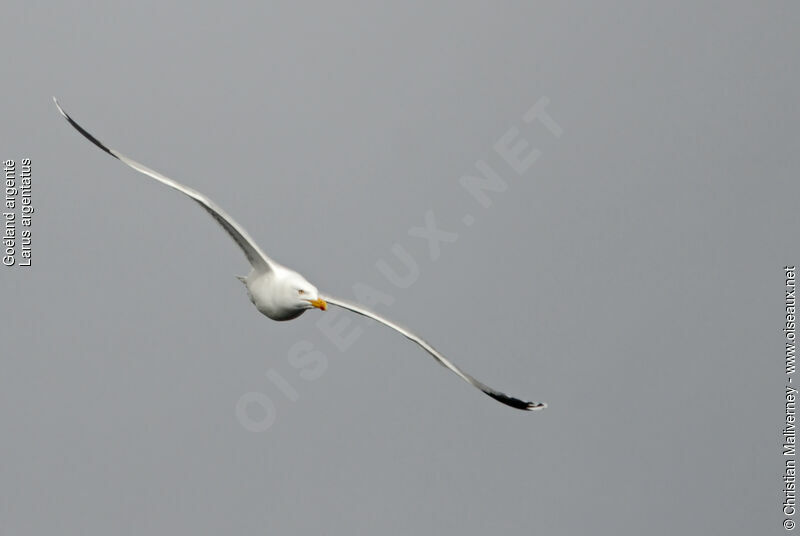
x=257, y=258
x=497, y=395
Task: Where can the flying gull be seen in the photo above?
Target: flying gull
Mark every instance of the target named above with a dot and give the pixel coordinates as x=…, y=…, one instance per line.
x=281, y=293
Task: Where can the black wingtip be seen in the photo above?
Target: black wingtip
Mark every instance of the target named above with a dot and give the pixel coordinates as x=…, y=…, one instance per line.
x=83, y=131
x=516, y=402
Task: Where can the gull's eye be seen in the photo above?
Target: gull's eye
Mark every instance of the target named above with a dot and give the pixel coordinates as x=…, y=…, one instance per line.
x=301, y=291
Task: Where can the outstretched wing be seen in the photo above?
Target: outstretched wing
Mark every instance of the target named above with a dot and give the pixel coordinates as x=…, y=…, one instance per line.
x=497, y=395
x=257, y=258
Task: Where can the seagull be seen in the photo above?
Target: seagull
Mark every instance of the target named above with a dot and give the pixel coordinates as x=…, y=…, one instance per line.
x=281, y=293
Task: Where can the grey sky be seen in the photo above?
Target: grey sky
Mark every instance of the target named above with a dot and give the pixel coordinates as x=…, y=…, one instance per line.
x=632, y=277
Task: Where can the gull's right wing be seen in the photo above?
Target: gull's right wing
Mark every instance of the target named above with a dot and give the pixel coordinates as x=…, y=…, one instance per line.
x=497, y=395
x=257, y=258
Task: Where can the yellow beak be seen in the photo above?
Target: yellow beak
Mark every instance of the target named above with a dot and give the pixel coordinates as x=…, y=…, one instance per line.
x=319, y=304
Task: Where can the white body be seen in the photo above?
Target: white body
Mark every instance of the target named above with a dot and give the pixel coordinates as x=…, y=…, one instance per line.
x=273, y=292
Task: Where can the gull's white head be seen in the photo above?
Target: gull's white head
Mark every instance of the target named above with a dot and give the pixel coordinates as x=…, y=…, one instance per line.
x=301, y=294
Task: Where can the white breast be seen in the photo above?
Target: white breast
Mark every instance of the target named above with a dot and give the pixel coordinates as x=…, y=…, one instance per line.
x=268, y=295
